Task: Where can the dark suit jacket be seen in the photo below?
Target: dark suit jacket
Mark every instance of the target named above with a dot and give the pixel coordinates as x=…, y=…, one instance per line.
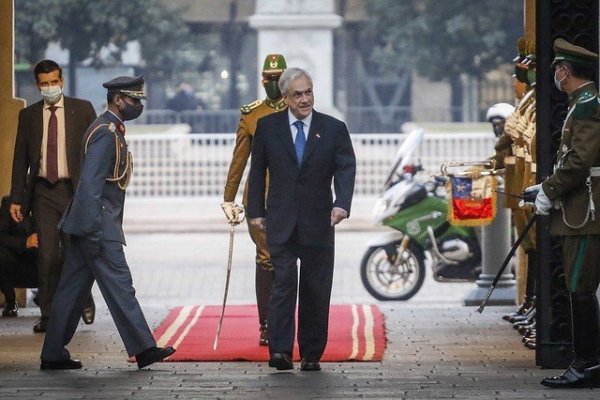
x=79, y=114
x=97, y=206
x=301, y=196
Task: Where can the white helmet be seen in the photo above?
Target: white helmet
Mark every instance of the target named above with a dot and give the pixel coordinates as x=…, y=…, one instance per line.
x=499, y=110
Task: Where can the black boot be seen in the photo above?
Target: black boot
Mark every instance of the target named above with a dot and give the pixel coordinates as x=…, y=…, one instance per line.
x=583, y=370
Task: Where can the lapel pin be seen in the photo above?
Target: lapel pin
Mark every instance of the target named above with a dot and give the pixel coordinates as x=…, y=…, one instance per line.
x=317, y=135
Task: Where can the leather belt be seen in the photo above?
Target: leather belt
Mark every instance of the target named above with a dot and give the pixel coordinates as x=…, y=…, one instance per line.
x=46, y=182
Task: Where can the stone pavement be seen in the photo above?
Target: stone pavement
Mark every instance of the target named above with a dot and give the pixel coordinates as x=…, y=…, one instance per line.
x=437, y=348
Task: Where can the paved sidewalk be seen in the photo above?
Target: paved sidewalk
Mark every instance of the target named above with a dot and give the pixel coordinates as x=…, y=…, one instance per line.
x=437, y=348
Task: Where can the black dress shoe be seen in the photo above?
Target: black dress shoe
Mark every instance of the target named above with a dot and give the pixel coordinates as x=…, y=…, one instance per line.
x=69, y=363
x=281, y=361
x=88, y=314
x=592, y=376
x=306, y=365
x=40, y=326
x=11, y=310
x=571, y=378
x=152, y=355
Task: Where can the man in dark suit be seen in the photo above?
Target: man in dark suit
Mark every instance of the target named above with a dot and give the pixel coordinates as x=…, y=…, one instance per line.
x=18, y=254
x=94, y=250
x=300, y=214
x=45, y=171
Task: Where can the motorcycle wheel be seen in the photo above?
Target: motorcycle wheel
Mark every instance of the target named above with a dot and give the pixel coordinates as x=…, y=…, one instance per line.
x=398, y=278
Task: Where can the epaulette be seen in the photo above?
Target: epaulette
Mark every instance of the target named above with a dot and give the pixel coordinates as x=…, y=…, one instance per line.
x=586, y=106
x=247, y=108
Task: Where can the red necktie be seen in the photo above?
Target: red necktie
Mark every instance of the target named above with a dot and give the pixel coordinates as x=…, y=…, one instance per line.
x=52, y=147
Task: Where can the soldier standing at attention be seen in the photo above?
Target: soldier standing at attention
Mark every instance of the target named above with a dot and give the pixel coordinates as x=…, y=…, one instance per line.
x=274, y=66
x=571, y=195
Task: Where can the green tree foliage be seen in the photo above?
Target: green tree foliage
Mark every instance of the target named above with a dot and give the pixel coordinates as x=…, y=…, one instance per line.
x=86, y=27
x=440, y=39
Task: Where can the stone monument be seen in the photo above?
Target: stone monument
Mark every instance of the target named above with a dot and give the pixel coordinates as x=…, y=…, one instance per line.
x=301, y=30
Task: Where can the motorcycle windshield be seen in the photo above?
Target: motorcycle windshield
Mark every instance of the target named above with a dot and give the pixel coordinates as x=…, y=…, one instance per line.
x=410, y=144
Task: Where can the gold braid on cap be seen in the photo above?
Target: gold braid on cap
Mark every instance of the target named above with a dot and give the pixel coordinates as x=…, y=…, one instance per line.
x=133, y=93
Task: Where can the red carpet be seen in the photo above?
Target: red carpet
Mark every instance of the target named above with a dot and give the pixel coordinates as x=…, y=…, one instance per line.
x=356, y=333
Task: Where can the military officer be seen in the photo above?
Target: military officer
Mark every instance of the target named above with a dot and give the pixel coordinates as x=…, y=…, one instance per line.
x=273, y=67
x=570, y=195
x=95, y=249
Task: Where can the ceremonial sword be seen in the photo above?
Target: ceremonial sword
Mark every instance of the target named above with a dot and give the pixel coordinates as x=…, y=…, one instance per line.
x=506, y=260
x=232, y=224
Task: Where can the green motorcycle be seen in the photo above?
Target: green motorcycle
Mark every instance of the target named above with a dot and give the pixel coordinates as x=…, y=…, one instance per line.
x=393, y=267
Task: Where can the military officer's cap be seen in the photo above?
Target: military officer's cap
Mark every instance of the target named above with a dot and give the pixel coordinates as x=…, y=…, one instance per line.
x=565, y=51
x=132, y=86
x=274, y=64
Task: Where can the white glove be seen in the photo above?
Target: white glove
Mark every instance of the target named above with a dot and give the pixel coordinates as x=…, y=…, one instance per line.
x=542, y=203
x=233, y=212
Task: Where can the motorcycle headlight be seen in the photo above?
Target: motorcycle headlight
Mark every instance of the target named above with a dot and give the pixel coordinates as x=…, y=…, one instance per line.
x=381, y=205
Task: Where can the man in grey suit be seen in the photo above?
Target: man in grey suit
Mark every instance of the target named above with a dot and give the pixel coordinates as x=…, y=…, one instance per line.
x=95, y=250
x=305, y=152
x=45, y=173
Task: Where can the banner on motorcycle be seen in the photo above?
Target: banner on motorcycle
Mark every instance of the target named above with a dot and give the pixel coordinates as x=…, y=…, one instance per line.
x=472, y=200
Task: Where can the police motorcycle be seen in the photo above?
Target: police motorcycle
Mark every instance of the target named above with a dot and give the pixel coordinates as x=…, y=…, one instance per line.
x=393, y=266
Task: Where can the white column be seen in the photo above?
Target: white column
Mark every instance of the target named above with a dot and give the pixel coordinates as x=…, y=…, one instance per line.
x=301, y=30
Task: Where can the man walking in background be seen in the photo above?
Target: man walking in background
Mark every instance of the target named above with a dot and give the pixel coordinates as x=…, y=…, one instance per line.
x=45, y=171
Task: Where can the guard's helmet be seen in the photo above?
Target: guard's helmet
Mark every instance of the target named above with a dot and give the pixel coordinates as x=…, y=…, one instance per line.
x=273, y=67
x=499, y=111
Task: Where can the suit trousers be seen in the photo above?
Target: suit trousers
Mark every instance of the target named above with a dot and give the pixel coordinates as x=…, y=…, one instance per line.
x=49, y=204
x=313, y=289
x=109, y=268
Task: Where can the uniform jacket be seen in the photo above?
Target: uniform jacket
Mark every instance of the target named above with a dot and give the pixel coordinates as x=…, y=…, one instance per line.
x=97, y=206
x=578, y=151
x=79, y=114
x=243, y=147
x=301, y=196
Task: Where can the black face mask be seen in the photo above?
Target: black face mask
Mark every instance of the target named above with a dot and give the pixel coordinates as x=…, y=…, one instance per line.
x=272, y=89
x=498, y=130
x=130, y=111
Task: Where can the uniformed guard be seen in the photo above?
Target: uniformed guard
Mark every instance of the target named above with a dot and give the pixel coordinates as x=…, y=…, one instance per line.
x=94, y=250
x=571, y=195
x=273, y=67
x=520, y=127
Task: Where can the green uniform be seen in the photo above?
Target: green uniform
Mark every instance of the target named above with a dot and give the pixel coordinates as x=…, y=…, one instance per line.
x=251, y=113
x=575, y=190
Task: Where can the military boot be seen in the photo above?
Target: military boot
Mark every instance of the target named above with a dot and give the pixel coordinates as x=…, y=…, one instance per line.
x=584, y=370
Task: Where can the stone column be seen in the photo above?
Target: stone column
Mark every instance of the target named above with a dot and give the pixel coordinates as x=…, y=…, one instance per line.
x=495, y=246
x=9, y=105
x=301, y=30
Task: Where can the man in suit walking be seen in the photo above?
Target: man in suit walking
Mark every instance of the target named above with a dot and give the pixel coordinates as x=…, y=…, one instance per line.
x=94, y=222
x=304, y=152
x=45, y=171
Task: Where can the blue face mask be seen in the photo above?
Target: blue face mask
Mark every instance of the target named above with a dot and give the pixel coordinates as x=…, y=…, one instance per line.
x=51, y=94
